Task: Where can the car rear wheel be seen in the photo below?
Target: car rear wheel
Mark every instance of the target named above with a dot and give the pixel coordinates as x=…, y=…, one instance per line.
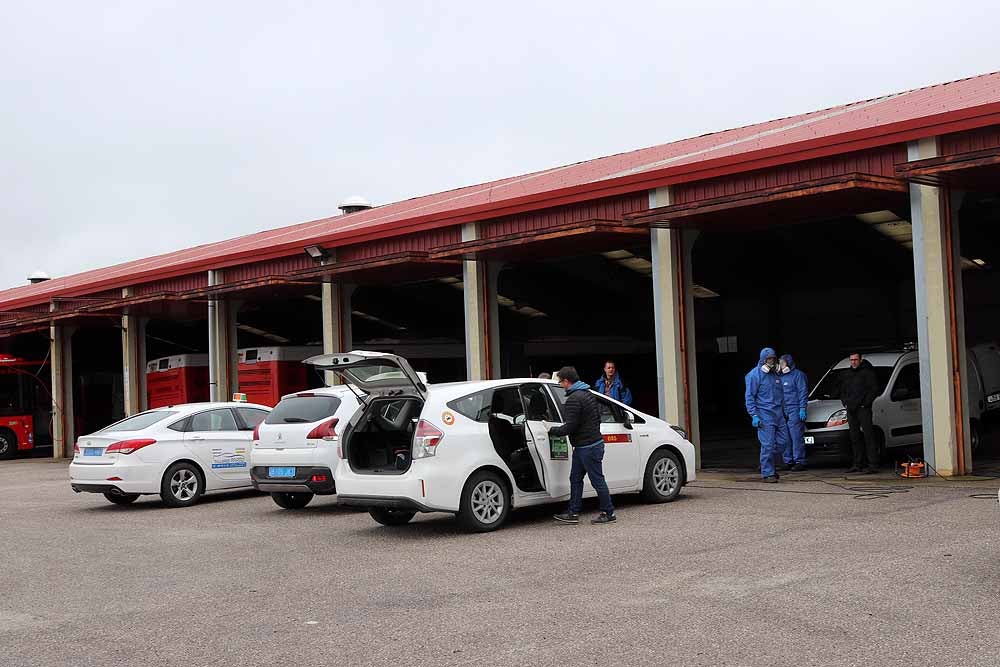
x=975, y=434
x=485, y=502
x=292, y=501
x=662, y=482
x=122, y=498
x=388, y=517
x=182, y=485
x=8, y=443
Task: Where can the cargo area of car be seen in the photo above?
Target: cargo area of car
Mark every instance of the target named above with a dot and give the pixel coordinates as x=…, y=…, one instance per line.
x=381, y=441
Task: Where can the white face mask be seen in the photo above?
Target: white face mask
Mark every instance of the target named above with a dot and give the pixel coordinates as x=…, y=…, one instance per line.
x=765, y=368
x=786, y=369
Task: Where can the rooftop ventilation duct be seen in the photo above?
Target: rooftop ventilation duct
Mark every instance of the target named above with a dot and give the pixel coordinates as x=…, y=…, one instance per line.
x=38, y=277
x=354, y=204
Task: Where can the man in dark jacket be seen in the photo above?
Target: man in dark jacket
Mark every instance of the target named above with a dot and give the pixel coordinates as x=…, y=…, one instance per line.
x=857, y=392
x=582, y=423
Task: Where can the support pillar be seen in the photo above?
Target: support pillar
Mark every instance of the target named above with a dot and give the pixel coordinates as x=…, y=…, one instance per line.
x=940, y=323
x=223, y=359
x=482, y=340
x=337, y=332
x=673, y=313
x=133, y=360
x=61, y=369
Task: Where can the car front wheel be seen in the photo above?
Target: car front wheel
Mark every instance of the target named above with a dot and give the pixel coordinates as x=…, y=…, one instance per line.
x=182, y=485
x=485, y=502
x=8, y=443
x=292, y=501
x=388, y=517
x=662, y=482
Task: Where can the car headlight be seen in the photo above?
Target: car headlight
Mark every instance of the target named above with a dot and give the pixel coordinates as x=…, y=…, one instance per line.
x=838, y=418
x=681, y=432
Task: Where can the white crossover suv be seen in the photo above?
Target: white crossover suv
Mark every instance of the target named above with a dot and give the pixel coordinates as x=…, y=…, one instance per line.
x=479, y=449
x=295, y=450
x=178, y=452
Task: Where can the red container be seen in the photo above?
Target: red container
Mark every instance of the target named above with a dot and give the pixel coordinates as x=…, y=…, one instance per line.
x=181, y=378
x=268, y=373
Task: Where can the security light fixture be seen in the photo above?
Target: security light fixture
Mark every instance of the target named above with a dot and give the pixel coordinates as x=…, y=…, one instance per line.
x=317, y=252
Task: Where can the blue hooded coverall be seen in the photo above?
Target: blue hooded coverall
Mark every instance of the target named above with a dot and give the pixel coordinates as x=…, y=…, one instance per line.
x=796, y=398
x=765, y=404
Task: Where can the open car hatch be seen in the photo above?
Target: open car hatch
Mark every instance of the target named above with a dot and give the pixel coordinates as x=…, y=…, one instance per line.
x=373, y=372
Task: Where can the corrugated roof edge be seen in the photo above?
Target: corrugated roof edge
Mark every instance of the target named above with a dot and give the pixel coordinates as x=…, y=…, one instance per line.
x=966, y=118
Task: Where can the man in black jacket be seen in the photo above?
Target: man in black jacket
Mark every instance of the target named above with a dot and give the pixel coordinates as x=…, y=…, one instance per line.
x=857, y=393
x=582, y=423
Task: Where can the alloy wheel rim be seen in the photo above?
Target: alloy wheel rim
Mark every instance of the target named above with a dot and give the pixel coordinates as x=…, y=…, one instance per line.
x=665, y=476
x=184, y=484
x=487, y=501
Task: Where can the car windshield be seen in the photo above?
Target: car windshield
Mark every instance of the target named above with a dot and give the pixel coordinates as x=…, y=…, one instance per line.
x=829, y=388
x=139, y=421
x=303, y=409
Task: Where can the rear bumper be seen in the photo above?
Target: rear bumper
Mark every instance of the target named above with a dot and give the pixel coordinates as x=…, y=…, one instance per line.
x=142, y=478
x=99, y=488
x=384, y=502
x=301, y=483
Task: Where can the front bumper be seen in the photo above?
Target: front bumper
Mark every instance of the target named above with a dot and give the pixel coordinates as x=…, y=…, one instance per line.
x=301, y=483
x=832, y=443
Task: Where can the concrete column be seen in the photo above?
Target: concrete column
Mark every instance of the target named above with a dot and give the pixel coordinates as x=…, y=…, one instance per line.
x=482, y=344
x=673, y=313
x=940, y=320
x=337, y=332
x=223, y=359
x=133, y=360
x=61, y=368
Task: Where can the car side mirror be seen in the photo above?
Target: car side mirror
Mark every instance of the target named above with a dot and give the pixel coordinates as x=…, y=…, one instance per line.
x=628, y=419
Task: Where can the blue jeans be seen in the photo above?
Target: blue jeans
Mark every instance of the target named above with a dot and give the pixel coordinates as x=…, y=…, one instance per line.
x=587, y=461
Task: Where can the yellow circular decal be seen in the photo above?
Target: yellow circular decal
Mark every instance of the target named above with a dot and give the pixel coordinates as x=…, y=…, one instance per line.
x=448, y=418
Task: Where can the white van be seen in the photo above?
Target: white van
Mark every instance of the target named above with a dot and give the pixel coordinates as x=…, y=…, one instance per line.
x=478, y=449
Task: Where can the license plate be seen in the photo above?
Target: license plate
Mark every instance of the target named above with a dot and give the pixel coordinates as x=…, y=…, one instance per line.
x=993, y=398
x=281, y=472
x=810, y=440
x=93, y=451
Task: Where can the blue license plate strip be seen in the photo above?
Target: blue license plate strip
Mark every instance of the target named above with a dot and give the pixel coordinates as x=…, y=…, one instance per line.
x=93, y=451
x=281, y=472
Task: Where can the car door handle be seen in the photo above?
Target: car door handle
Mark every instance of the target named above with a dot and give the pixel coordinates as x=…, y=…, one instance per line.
x=197, y=437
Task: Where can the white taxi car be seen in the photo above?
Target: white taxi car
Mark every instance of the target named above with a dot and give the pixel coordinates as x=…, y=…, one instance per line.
x=178, y=452
x=478, y=449
x=295, y=450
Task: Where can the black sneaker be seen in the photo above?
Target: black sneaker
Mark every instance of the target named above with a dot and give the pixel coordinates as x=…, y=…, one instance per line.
x=853, y=469
x=773, y=479
x=783, y=466
x=567, y=517
x=604, y=517
x=798, y=467
x=870, y=471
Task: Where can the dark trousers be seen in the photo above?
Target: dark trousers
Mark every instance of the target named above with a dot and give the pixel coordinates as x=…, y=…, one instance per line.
x=588, y=461
x=860, y=421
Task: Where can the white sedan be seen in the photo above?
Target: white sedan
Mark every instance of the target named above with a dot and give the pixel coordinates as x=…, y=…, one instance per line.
x=178, y=452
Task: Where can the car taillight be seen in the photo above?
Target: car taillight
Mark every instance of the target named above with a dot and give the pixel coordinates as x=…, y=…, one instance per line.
x=426, y=439
x=76, y=449
x=129, y=446
x=838, y=418
x=256, y=433
x=324, y=431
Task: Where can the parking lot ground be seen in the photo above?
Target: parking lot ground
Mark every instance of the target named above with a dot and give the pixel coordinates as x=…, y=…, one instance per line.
x=808, y=572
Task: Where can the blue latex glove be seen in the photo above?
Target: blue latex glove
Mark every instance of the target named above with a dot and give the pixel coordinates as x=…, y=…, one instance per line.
x=756, y=421
x=802, y=414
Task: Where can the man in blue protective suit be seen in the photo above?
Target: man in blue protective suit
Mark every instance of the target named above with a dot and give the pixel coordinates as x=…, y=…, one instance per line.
x=795, y=392
x=765, y=405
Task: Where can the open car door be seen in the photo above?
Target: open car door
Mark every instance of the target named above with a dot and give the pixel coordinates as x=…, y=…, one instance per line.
x=373, y=372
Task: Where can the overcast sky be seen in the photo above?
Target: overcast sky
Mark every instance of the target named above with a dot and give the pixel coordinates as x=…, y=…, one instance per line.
x=135, y=128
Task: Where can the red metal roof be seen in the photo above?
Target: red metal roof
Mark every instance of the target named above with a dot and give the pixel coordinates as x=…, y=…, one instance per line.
x=939, y=109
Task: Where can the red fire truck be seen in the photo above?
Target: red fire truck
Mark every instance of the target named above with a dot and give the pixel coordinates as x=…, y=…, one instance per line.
x=25, y=405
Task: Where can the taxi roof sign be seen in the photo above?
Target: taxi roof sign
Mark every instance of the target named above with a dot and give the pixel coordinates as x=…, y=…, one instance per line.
x=239, y=397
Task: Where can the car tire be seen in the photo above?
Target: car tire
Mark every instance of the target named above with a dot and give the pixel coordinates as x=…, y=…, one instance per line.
x=389, y=517
x=663, y=479
x=122, y=498
x=8, y=443
x=182, y=485
x=291, y=501
x=485, y=502
x=975, y=434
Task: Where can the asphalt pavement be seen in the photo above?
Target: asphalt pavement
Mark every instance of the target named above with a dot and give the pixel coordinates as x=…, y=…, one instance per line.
x=818, y=570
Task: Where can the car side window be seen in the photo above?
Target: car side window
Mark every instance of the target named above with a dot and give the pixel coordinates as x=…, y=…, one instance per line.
x=474, y=406
x=610, y=413
x=506, y=405
x=907, y=384
x=181, y=425
x=251, y=417
x=214, y=420
x=538, y=405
